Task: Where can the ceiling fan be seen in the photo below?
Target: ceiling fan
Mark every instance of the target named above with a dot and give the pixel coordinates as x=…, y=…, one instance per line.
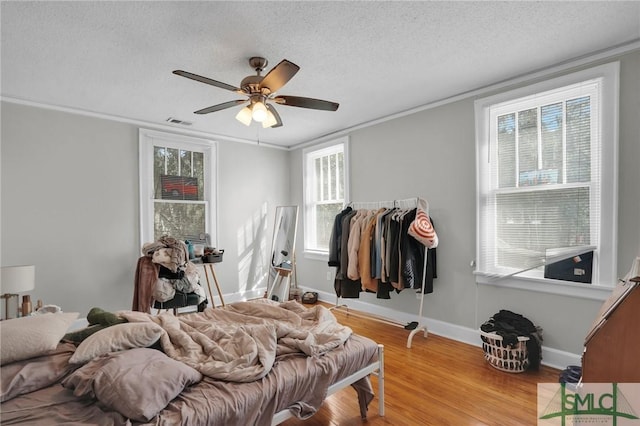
x=261, y=93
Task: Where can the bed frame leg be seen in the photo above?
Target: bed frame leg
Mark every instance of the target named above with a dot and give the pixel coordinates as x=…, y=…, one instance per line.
x=381, y=380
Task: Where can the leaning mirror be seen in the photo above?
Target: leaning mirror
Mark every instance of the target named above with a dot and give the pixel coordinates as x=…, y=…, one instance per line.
x=282, y=258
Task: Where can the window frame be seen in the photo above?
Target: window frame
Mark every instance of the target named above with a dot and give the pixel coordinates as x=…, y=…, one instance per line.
x=147, y=139
x=308, y=182
x=605, y=257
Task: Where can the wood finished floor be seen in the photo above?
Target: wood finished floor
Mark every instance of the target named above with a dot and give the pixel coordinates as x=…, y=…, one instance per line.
x=437, y=382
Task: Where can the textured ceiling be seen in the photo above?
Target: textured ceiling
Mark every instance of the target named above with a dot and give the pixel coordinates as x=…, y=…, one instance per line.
x=375, y=58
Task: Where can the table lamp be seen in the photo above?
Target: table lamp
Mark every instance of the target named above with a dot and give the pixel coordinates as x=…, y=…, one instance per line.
x=14, y=280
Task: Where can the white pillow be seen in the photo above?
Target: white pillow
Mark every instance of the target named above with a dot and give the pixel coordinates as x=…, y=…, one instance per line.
x=32, y=336
x=116, y=338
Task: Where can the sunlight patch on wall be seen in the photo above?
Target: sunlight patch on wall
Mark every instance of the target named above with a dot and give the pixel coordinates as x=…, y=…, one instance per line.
x=252, y=251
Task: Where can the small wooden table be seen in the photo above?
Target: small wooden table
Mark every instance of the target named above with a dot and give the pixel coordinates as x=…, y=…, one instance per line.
x=208, y=268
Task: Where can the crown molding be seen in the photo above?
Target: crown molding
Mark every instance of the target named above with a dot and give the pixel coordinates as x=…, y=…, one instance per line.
x=140, y=123
x=601, y=55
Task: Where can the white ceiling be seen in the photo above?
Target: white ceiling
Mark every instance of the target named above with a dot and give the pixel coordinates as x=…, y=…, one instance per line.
x=375, y=58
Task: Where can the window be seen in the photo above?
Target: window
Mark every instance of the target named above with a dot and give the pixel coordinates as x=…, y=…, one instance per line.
x=177, y=190
x=325, y=191
x=546, y=160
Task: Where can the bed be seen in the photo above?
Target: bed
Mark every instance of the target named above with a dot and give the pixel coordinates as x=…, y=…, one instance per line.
x=249, y=363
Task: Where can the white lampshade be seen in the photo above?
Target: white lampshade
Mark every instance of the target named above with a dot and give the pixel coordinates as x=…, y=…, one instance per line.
x=259, y=112
x=270, y=120
x=244, y=116
x=17, y=279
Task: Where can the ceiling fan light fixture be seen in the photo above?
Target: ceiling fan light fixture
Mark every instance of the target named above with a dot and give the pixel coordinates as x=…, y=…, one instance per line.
x=270, y=120
x=244, y=116
x=260, y=93
x=259, y=112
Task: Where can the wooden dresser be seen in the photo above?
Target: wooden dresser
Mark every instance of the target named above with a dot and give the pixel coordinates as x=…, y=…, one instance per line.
x=612, y=347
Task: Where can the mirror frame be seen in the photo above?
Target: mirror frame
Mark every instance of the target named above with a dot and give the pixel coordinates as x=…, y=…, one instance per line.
x=290, y=234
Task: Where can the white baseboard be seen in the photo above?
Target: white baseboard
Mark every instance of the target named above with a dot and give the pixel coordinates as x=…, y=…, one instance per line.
x=550, y=357
x=240, y=297
x=559, y=359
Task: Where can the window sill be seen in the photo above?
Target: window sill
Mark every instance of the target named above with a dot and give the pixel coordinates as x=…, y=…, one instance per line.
x=541, y=285
x=316, y=255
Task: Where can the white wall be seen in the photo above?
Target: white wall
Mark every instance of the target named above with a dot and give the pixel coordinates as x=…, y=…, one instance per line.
x=70, y=206
x=432, y=154
x=252, y=182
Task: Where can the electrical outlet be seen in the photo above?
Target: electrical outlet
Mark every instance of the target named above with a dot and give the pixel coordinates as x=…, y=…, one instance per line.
x=328, y=275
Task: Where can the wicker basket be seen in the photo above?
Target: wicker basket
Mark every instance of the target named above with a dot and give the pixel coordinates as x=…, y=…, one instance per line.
x=502, y=356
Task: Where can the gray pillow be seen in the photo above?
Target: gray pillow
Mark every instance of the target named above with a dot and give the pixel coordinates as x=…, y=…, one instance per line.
x=138, y=383
x=30, y=375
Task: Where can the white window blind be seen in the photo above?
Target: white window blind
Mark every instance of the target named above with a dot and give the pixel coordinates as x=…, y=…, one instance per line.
x=325, y=192
x=541, y=178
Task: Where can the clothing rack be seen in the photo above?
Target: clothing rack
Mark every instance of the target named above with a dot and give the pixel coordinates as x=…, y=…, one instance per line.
x=406, y=203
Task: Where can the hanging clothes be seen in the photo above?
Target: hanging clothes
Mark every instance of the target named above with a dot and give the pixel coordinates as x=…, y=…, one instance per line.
x=348, y=287
x=373, y=252
x=393, y=250
x=353, y=244
x=336, y=238
x=413, y=253
x=341, y=273
x=364, y=254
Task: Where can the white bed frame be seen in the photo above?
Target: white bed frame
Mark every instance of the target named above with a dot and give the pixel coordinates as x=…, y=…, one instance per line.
x=376, y=368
